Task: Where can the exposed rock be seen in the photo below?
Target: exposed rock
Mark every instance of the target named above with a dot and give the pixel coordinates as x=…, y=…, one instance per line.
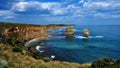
x=69, y=31
x=29, y=32
x=26, y=33
x=85, y=32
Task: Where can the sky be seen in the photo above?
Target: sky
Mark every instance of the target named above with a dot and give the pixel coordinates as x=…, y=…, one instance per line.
x=82, y=12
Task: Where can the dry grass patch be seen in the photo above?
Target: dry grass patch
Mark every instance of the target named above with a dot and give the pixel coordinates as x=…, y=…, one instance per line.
x=17, y=60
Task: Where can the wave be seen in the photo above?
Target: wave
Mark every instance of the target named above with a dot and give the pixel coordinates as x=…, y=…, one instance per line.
x=81, y=37
x=57, y=37
x=38, y=49
x=76, y=30
x=32, y=42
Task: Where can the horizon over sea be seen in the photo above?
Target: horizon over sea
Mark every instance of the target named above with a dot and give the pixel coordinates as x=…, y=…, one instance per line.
x=103, y=41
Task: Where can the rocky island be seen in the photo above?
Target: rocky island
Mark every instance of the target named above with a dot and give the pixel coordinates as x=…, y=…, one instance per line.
x=69, y=31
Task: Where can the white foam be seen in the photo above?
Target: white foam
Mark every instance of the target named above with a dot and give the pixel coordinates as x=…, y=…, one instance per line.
x=75, y=30
x=41, y=51
x=60, y=36
x=99, y=36
x=81, y=37
x=38, y=47
x=52, y=56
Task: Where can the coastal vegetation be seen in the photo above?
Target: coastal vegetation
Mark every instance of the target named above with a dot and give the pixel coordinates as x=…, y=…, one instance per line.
x=13, y=54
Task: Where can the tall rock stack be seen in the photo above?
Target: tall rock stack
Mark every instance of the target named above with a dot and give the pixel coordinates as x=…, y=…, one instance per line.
x=69, y=31
x=85, y=33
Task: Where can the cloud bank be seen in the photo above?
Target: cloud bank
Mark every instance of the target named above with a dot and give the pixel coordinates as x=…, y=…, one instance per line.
x=63, y=9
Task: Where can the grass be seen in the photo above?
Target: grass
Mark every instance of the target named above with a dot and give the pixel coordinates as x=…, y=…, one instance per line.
x=17, y=60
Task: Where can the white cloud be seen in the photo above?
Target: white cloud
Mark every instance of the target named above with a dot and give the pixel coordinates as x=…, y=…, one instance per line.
x=8, y=17
x=81, y=1
x=6, y=14
x=53, y=7
x=106, y=15
x=102, y=5
x=87, y=8
x=21, y=6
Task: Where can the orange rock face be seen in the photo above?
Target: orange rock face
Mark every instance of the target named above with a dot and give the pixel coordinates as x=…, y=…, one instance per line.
x=69, y=31
x=85, y=32
x=27, y=32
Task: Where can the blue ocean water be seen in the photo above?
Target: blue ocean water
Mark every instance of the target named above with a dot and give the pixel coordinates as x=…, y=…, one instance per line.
x=104, y=41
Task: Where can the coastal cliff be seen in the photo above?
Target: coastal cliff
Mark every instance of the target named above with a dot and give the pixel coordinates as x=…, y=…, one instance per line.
x=29, y=32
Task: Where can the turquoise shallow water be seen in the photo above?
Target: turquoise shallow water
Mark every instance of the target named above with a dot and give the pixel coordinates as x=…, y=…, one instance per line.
x=104, y=41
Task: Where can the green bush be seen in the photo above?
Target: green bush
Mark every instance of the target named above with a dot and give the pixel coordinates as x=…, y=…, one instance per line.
x=46, y=59
x=17, y=49
x=36, y=55
x=102, y=62
x=9, y=40
x=13, y=41
x=117, y=61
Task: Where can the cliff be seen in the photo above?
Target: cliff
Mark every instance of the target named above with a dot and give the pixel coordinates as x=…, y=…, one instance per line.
x=26, y=32
x=29, y=32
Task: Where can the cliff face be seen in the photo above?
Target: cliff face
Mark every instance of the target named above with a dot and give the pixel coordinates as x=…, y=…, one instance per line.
x=69, y=31
x=26, y=33
x=29, y=32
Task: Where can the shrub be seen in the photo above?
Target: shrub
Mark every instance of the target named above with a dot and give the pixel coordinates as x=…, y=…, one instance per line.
x=46, y=59
x=9, y=40
x=17, y=49
x=36, y=55
x=13, y=41
x=117, y=61
x=102, y=62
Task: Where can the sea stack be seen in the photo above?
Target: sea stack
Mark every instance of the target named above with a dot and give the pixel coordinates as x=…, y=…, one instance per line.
x=85, y=33
x=69, y=31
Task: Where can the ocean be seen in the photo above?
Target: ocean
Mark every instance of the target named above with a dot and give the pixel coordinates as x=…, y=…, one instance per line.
x=103, y=41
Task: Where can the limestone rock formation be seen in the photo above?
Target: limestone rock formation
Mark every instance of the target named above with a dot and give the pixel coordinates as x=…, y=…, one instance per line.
x=27, y=32
x=85, y=32
x=69, y=31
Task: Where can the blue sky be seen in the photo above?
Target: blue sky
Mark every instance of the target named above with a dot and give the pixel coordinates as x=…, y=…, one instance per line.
x=82, y=12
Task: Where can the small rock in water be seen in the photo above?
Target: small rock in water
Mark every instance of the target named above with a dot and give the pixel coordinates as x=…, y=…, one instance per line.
x=52, y=56
x=85, y=33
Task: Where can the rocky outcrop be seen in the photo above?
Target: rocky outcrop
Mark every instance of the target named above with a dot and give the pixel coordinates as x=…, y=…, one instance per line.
x=26, y=33
x=85, y=32
x=29, y=32
x=69, y=31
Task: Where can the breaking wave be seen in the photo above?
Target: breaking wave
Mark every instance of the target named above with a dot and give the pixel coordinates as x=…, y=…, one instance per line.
x=81, y=37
